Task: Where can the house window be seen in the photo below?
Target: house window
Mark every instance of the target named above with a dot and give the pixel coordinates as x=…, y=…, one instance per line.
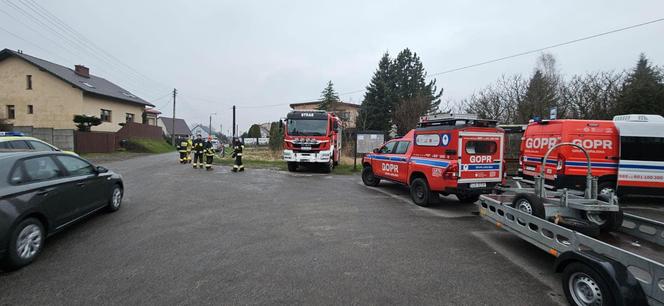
x=31, y=109
x=28, y=81
x=11, y=112
x=105, y=115
x=129, y=118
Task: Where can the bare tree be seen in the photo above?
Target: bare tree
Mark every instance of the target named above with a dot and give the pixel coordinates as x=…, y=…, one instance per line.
x=407, y=113
x=499, y=100
x=593, y=95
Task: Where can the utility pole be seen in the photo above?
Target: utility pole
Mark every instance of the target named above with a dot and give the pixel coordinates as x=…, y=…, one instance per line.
x=175, y=93
x=234, y=130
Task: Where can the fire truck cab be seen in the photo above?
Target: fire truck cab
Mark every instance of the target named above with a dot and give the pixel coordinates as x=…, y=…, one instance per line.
x=446, y=154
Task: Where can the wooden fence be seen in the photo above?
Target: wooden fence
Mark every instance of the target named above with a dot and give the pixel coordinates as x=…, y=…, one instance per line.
x=106, y=142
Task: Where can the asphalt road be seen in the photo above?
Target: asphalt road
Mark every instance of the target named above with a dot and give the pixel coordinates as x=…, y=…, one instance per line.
x=186, y=236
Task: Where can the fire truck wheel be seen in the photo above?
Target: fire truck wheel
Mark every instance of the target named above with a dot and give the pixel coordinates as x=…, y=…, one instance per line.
x=468, y=197
x=421, y=194
x=327, y=168
x=292, y=166
x=584, y=227
x=584, y=286
x=368, y=177
x=530, y=204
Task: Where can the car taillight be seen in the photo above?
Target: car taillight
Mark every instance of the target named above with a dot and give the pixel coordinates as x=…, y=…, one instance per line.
x=451, y=172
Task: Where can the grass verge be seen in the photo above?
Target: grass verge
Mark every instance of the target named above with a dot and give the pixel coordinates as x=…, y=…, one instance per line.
x=148, y=146
x=261, y=157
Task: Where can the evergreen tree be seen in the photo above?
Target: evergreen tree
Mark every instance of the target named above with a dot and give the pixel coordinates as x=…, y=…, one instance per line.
x=276, y=136
x=254, y=131
x=643, y=90
x=411, y=88
x=541, y=96
x=328, y=97
x=377, y=103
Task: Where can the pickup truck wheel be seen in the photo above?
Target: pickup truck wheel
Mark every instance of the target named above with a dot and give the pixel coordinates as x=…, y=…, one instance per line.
x=584, y=286
x=421, y=194
x=530, y=204
x=368, y=177
x=467, y=197
x=292, y=166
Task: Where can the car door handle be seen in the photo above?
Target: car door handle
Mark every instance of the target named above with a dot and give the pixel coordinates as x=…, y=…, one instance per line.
x=42, y=193
x=80, y=184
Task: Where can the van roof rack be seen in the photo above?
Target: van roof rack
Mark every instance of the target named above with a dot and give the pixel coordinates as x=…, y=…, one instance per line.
x=450, y=119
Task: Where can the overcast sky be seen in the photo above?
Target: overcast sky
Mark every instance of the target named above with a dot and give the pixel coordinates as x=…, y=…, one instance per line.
x=263, y=55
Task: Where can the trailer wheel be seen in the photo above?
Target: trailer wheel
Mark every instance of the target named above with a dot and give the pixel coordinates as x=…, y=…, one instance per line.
x=421, y=194
x=587, y=228
x=607, y=221
x=584, y=286
x=368, y=177
x=530, y=204
x=292, y=166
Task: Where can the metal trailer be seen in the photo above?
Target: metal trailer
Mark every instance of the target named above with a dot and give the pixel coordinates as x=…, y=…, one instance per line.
x=624, y=267
x=569, y=206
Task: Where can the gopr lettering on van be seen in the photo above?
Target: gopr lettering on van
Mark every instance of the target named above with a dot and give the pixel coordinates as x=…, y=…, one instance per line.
x=594, y=144
x=539, y=143
x=390, y=168
x=480, y=159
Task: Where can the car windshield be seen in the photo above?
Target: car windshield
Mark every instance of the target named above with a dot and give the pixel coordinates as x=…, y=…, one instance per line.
x=303, y=127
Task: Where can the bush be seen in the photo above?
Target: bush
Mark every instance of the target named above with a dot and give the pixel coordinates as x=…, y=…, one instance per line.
x=84, y=122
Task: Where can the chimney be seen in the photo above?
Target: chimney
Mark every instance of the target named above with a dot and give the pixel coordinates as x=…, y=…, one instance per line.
x=82, y=71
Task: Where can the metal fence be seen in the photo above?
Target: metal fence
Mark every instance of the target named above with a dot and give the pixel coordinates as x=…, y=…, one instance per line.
x=61, y=138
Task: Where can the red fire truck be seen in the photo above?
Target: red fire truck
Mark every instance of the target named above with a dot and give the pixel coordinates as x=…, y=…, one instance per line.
x=625, y=153
x=312, y=137
x=456, y=154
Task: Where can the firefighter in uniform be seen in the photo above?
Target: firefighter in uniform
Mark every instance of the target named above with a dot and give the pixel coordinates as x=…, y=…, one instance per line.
x=237, y=154
x=190, y=144
x=198, y=146
x=209, y=153
x=182, y=148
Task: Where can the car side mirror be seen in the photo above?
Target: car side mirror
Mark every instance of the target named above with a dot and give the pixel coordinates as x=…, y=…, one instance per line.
x=376, y=150
x=101, y=169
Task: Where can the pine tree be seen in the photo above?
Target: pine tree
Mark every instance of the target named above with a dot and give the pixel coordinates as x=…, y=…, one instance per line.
x=377, y=103
x=328, y=97
x=541, y=96
x=254, y=131
x=643, y=90
x=410, y=88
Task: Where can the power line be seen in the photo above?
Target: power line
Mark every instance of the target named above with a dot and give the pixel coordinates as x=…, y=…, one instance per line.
x=547, y=47
x=88, y=42
x=74, y=42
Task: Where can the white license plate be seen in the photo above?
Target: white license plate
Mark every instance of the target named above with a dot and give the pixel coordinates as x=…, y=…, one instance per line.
x=530, y=168
x=306, y=148
x=477, y=185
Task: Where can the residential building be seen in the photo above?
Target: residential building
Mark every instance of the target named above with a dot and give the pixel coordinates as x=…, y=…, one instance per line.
x=201, y=129
x=181, y=127
x=347, y=112
x=150, y=116
x=41, y=94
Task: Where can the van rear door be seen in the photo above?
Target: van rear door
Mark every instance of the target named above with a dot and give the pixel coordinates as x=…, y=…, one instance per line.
x=480, y=158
